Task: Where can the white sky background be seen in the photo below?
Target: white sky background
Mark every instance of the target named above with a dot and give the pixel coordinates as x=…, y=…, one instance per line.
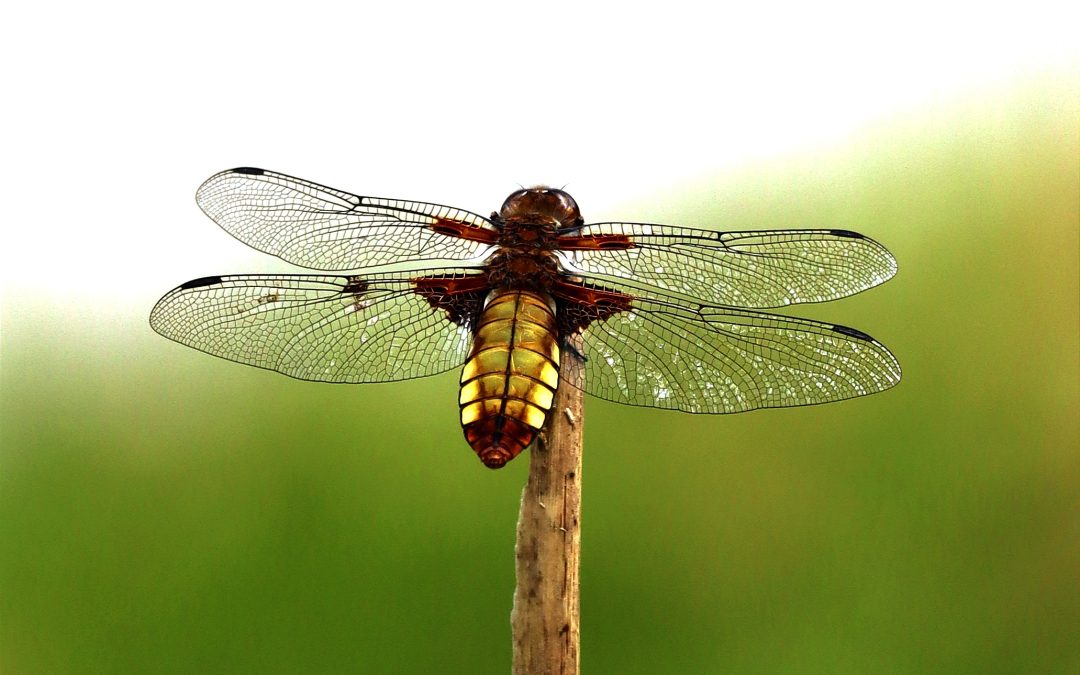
x=114, y=113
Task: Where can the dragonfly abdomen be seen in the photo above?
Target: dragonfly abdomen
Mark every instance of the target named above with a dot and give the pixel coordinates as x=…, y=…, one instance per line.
x=509, y=380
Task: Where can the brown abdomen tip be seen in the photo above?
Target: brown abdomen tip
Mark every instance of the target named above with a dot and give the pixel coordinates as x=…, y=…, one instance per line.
x=495, y=457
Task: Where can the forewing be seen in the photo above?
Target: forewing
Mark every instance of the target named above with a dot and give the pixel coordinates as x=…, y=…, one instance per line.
x=323, y=228
x=708, y=359
x=325, y=328
x=769, y=268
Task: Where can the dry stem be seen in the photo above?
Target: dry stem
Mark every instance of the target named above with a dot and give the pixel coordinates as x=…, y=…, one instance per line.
x=545, y=619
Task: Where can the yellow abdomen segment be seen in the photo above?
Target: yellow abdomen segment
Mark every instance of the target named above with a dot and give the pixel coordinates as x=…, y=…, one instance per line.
x=510, y=378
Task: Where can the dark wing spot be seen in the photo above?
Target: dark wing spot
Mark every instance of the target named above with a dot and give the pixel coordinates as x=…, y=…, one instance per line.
x=851, y=332
x=251, y=171
x=355, y=285
x=200, y=282
x=847, y=233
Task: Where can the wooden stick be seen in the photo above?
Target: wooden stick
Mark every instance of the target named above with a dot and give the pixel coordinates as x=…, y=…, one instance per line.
x=545, y=621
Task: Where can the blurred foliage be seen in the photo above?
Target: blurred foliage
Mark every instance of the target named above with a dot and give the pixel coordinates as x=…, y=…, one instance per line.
x=163, y=511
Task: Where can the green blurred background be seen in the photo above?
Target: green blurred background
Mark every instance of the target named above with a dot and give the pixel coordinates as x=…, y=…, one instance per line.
x=165, y=511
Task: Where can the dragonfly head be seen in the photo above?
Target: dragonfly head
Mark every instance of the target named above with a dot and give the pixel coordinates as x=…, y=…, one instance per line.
x=541, y=205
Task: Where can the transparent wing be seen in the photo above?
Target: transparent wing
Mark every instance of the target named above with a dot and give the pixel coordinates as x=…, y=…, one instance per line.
x=323, y=228
x=708, y=359
x=326, y=328
x=769, y=268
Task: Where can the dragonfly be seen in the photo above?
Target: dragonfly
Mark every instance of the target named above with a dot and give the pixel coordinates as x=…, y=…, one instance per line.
x=661, y=316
